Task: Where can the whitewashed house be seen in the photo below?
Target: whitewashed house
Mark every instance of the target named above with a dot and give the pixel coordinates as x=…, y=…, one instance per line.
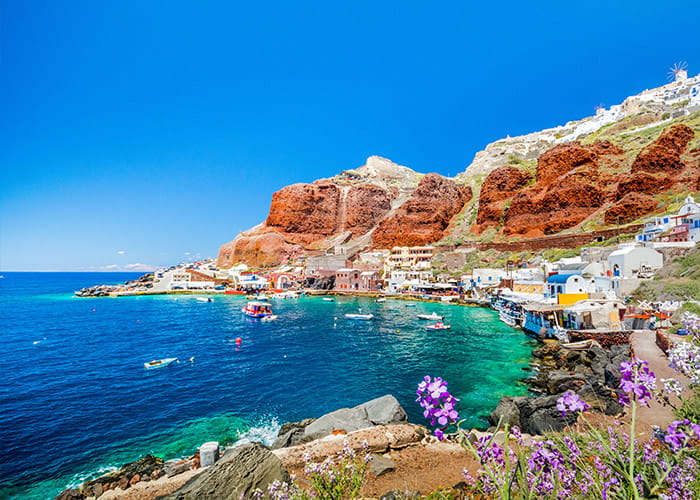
x=630, y=261
x=569, y=283
x=482, y=277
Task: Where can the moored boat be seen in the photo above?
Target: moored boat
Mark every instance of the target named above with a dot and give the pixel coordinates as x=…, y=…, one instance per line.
x=257, y=309
x=438, y=326
x=158, y=363
x=432, y=316
x=268, y=318
x=364, y=317
x=578, y=346
x=381, y=299
x=328, y=299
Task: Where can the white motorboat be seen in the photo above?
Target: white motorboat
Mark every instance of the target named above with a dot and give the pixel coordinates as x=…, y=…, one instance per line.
x=158, y=363
x=364, y=317
x=432, y=316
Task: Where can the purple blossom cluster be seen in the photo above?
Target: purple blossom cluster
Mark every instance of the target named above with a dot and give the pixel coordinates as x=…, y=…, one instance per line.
x=638, y=380
x=612, y=464
x=691, y=323
x=685, y=359
x=437, y=403
x=570, y=402
x=680, y=432
x=549, y=471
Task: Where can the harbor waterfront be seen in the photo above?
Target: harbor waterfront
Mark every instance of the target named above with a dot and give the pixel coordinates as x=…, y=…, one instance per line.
x=77, y=400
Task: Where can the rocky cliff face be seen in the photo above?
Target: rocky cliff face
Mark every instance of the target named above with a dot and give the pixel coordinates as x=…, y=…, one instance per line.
x=576, y=182
x=383, y=198
x=624, y=167
x=424, y=218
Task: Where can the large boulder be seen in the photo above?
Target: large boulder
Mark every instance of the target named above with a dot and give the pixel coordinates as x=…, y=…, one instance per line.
x=600, y=397
x=241, y=471
x=385, y=410
x=540, y=415
x=506, y=412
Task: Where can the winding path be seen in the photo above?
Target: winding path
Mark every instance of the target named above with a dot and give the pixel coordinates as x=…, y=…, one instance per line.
x=644, y=347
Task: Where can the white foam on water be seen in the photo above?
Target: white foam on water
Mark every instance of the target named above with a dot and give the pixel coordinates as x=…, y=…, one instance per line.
x=265, y=433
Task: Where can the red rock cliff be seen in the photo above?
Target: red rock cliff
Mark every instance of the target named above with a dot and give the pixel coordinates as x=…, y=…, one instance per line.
x=424, y=218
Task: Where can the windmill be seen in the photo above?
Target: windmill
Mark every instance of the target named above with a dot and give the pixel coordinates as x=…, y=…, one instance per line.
x=599, y=108
x=678, y=71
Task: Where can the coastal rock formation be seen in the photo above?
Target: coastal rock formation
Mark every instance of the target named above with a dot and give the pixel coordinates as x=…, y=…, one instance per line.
x=385, y=410
x=664, y=155
x=310, y=210
x=424, y=218
x=590, y=374
x=631, y=207
x=500, y=185
x=660, y=165
x=576, y=182
x=239, y=472
x=565, y=193
x=378, y=439
x=257, y=250
x=322, y=214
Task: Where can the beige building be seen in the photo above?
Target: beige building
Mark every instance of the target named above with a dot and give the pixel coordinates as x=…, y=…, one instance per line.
x=410, y=258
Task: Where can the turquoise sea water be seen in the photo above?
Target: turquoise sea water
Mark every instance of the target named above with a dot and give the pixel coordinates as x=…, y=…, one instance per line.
x=75, y=398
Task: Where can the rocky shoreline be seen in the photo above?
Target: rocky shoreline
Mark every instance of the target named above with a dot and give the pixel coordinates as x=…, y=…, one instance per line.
x=591, y=373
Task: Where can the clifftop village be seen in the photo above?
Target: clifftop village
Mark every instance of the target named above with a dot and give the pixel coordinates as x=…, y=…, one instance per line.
x=545, y=298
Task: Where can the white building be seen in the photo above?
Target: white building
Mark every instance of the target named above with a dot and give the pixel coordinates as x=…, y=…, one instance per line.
x=683, y=226
x=569, y=283
x=399, y=280
x=629, y=261
x=484, y=276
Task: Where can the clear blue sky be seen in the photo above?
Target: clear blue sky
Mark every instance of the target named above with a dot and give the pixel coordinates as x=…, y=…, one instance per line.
x=153, y=132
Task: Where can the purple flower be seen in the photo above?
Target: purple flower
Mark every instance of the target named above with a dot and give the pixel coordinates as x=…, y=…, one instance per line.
x=489, y=453
x=638, y=380
x=679, y=433
x=571, y=402
x=437, y=403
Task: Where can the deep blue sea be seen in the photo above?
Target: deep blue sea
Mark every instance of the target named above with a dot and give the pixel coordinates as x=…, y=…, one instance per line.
x=75, y=399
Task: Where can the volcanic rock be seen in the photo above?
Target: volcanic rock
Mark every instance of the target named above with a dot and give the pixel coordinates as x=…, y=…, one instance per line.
x=237, y=474
x=262, y=250
x=540, y=415
x=70, y=494
x=631, y=207
x=664, y=154
x=385, y=410
x=424, y=218
x=501, y=184
x=310, y=209
x=380, y=465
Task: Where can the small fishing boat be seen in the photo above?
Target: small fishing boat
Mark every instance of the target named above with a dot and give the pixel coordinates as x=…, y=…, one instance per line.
x=432, y=316
x=257, y=309
x=328, y=299
x=381, y=299
x=438, y=326
x=158, y=363
x=205, y=299
x=268, y=318
x=578, y=346
x=364, y=317
x=410, y=305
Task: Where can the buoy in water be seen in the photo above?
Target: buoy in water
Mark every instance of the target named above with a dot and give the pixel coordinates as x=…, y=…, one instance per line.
x=238, y=340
